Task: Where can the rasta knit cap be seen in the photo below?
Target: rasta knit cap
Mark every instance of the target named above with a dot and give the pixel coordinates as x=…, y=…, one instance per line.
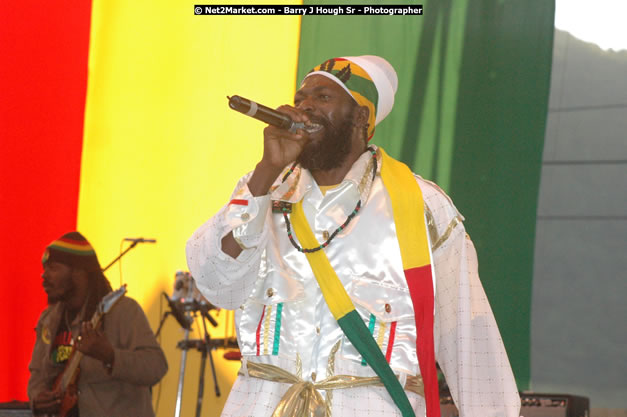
x=74, y=250
x=369, y=79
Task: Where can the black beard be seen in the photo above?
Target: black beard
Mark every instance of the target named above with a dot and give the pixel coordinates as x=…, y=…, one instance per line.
x=53, y=300
x=331, y=151
x=68, y=291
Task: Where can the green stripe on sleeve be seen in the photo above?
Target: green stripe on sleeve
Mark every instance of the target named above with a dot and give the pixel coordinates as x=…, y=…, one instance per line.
x=277, y=329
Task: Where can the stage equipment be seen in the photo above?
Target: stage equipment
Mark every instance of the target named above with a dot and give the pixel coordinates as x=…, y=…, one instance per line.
x=186, y=299
x=15, y=409
x=140, y=240
x=187, y=304
x=135, y=242
x=536, y=405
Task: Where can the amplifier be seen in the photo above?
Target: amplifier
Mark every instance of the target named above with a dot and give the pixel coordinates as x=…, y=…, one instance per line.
x=536, y=405
x=15, y=409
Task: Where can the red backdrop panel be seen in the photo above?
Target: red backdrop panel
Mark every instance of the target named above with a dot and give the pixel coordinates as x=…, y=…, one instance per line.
x=43, y=80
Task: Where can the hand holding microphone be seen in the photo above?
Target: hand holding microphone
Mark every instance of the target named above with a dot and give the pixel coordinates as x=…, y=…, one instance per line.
x=270, y=116
x=284, y=138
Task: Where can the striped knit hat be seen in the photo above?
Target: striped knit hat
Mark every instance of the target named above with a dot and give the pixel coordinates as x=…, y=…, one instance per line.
x=74, y=250
x=369, y=79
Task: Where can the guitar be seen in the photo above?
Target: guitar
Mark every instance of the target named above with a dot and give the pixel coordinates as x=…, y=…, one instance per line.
x=67, y=380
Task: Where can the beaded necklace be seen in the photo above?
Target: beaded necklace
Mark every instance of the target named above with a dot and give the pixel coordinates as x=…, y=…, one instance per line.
x=339, y=229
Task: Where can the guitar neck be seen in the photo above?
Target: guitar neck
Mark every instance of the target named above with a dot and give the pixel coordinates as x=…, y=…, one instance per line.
x=71, y=368
x=70, y=373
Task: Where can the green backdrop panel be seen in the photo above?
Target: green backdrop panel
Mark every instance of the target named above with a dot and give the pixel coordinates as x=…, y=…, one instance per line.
x=496, y=164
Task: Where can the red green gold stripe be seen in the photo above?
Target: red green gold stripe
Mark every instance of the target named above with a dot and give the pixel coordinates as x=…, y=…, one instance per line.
x=73, y=246
x=408, y=209
x=344, y=312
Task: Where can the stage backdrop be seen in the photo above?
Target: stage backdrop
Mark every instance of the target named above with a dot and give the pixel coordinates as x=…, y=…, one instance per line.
x=161, y=152
x=43, y=80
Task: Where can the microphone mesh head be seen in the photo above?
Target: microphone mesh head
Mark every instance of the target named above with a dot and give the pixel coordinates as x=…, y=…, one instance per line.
x=183, y=286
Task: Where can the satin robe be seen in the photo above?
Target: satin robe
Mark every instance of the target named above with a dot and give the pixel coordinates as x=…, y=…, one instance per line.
x=283, y=320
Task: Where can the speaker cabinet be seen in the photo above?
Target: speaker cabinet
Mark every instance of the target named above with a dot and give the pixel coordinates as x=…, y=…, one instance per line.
x=15, y=409
x=536, y=405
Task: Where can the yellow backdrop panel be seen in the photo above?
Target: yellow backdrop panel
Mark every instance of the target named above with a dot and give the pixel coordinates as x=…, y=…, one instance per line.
x=162, y=151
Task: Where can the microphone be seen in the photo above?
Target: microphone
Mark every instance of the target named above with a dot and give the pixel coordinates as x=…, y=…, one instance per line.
x=140, y=240
x=179, y=313
x=264, y=114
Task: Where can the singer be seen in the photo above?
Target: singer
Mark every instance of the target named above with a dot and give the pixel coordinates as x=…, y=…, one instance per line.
x=353, y=274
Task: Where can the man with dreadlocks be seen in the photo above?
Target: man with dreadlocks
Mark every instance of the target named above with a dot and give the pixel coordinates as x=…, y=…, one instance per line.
x=350, y=275
x=122, y=358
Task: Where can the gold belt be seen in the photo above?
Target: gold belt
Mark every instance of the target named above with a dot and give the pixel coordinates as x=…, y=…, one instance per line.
x=302, y=399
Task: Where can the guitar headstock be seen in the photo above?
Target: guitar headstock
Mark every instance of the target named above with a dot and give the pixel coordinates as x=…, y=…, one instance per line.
x=110, y=299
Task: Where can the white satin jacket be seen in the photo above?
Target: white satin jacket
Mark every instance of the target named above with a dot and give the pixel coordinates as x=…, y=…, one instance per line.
x=283, y=320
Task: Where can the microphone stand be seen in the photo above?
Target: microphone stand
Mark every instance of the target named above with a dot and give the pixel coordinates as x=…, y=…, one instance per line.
x=201, y=379
x=205, y=346
x=184, y=345
x=120, y=255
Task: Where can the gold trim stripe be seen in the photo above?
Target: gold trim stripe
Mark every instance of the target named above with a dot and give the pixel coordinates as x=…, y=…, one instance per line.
x=266, y=329
x=449, y=229
x=382, y=328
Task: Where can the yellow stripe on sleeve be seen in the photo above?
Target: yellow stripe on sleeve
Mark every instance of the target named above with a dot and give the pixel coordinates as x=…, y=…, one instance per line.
x=405, y=192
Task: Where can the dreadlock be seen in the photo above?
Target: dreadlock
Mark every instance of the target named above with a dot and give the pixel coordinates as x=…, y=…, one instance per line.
x=99, y=286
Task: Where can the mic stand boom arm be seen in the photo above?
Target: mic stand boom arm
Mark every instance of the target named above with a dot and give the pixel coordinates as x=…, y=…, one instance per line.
x=120, y=255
